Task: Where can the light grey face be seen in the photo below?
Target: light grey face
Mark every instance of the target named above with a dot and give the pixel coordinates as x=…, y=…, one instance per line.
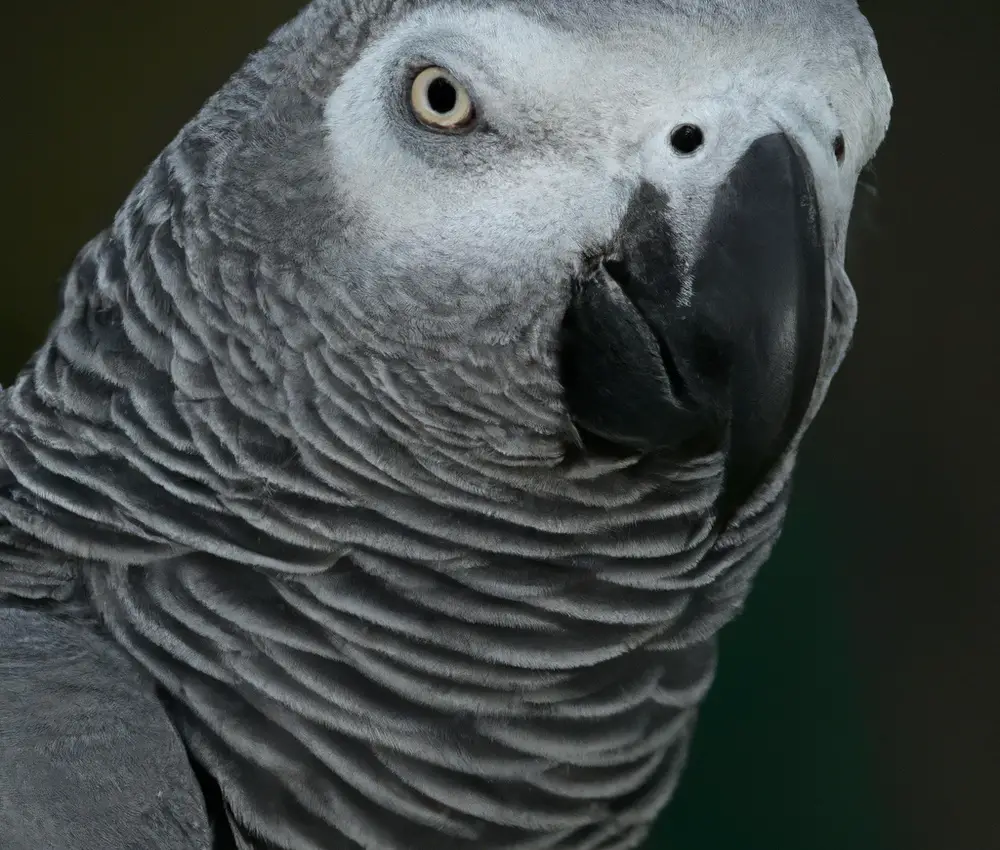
x=572, y=115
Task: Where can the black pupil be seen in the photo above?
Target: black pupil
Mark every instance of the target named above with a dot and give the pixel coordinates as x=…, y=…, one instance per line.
x=838, y=147
x=441, y=96
x=687, y=138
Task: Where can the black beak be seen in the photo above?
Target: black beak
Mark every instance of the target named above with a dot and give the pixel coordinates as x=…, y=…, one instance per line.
x=730, y=361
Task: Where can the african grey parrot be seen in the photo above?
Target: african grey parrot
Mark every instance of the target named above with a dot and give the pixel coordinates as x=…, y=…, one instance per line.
x=429, y=405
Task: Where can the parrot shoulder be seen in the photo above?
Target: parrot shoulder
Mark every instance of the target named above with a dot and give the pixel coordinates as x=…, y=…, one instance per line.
x=90, y=756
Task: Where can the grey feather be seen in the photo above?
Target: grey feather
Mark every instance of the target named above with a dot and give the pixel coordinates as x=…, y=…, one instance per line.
x=90, y=758
x=298, y=441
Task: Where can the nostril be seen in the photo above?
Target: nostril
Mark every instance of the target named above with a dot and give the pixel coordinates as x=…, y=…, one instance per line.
x=839, y=147
x=686, y=138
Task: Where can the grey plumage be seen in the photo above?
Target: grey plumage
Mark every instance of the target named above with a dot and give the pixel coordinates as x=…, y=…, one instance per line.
x=298, y=445
x=90, y=758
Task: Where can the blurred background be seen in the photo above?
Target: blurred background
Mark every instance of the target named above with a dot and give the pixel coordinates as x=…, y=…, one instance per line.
x=858, y=701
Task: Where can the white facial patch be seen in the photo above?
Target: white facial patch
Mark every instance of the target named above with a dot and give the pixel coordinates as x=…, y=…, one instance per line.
x=577, y=120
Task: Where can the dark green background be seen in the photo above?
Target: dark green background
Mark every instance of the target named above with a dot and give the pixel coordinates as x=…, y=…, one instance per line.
x=857, y=703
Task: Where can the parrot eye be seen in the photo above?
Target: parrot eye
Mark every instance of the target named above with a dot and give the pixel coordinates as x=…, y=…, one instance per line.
x=441, y=102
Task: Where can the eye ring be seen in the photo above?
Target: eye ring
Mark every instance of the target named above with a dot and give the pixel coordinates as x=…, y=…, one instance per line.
x=441, y=102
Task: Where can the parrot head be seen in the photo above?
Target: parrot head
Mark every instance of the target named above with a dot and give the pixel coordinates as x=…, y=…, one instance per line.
x=547, y=230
